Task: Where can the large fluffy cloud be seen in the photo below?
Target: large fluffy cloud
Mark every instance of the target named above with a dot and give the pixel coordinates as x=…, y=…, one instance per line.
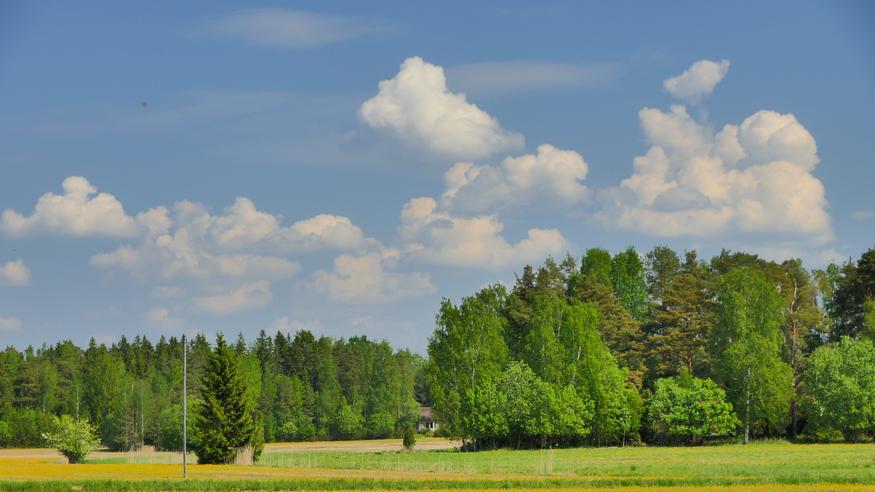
x=438, y=237
x=80, y=211
x=417, y=107
x=697, y=81
x=550, y=176
x=14, y=274
x=754, y=179
x=366, y=279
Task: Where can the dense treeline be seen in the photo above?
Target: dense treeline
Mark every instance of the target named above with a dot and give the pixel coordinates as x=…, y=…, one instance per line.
x=604, y=350
x=659, y=348
x=301, y=388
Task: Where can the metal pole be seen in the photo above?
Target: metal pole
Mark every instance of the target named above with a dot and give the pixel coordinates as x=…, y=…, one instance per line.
x=184, y=410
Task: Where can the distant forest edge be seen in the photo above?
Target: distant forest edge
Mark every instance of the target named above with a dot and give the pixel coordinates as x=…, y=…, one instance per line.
x=606, y=350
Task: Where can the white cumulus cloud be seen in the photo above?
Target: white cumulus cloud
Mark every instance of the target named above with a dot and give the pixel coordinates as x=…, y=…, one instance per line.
x=754, y=179
x=79, y=211
x=242, y=242
x=437, y=237
x=368, y=279
x=417, y=106
x=551, y=176
x=697, y=81
x=14, y=274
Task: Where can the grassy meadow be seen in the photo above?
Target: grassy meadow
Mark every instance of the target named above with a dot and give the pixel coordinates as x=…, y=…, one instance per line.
x=381, y=465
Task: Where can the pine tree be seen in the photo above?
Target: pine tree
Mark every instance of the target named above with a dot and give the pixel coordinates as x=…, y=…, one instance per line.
x=224, y=420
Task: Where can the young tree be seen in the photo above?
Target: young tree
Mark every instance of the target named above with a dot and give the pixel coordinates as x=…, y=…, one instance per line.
x=688, y=409
x=746, y=347
x=409, y=440
x=841, y=386
x=224, y=421
x=74, y=438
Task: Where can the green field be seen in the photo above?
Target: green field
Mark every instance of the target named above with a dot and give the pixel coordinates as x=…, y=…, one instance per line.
x=759, y=466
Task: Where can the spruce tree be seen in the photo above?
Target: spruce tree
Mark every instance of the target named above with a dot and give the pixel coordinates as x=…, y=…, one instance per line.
x=224, y=420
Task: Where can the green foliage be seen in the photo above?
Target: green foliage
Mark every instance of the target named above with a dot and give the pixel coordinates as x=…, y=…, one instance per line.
x=409, y=440
x=170, y=428
x=688, y=409
x=522, y=410
x=746, y=346
x=5, y=434
x=349, y=424
x=840, y=383
x=596, y=263
x=582, y=332
x=73, y=438
x=224, y=422
x=869, y=318
x=681, y=319
x=484, y=414
x=467, y=347
x=853, y=289
x=627, y=279
x=105, y=396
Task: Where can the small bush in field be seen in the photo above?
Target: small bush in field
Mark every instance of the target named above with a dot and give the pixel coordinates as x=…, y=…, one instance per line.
x=409, y=438
x=74, y=438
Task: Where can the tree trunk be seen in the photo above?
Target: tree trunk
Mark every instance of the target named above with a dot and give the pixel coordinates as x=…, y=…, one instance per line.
x=747, y=408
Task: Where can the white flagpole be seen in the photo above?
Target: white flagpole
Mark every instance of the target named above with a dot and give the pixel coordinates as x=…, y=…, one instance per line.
x=184, y=410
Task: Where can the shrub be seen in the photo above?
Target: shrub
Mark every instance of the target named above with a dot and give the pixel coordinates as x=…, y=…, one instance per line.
x=74, y=438
x=688, y=409
x=409, y=438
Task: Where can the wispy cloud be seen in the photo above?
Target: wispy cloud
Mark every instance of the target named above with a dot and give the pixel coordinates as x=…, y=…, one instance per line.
x=9, y=324
x=286, y=28
x=863, y=214
x=519, y=76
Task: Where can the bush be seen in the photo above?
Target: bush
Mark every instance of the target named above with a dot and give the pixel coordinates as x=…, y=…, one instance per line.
x=685, y=409
x=409, y=438
x=74, y=438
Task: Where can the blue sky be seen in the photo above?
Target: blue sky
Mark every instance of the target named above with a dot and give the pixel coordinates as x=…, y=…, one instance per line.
x=172, y=167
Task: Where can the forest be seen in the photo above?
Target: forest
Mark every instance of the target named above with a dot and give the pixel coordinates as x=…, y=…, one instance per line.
x=605, y=350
